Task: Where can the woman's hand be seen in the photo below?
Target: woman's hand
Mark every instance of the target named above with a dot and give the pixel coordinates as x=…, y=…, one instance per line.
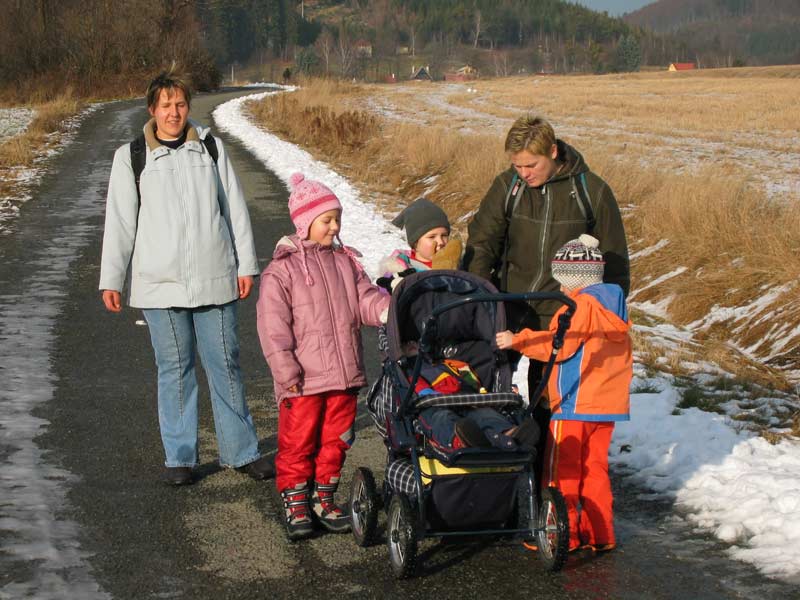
x=245, y=285
x=113, y=300
x=504, y=339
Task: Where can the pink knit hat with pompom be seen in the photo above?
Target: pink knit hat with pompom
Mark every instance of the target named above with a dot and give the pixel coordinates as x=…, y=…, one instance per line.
x=307, y=201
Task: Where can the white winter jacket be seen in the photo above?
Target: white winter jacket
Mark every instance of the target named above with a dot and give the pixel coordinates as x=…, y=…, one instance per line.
x=189, y=239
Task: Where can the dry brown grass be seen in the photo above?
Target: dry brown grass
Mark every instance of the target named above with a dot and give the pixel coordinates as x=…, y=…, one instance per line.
x=721, y=227
x=397, y=160
x=21, y=150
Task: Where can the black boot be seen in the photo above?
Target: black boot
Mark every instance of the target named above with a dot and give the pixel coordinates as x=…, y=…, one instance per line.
x=177, y=476
x=329, y=515
x=298, y=514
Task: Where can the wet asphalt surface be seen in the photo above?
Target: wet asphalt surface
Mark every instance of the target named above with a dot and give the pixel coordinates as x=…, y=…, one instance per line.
x=223, y=536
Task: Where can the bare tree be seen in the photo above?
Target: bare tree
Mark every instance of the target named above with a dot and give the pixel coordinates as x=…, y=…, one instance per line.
x=501, y=63
x=345, y=49
x=410, y=22
x=326, y=44
x=477, y=32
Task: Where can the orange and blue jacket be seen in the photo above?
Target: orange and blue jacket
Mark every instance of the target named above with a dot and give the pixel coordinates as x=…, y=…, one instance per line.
x=594, y=368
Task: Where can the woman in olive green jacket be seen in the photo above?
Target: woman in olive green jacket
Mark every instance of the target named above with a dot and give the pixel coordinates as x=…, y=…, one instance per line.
x=546, y=198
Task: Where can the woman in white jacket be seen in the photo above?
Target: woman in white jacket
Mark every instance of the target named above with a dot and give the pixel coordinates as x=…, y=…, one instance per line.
x=185, y=232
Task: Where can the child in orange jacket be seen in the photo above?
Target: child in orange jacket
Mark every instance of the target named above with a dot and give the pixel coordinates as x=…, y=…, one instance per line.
x=589, y=390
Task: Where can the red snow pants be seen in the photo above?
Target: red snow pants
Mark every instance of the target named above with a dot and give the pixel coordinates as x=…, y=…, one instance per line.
x=576, y=462
x=314, y=432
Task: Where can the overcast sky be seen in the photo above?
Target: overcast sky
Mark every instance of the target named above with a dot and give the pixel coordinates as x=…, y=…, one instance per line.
x=614, y=7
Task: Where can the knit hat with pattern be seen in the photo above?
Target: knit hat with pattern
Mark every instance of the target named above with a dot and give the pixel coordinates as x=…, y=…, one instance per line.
x=579, y=263
x=307, y=200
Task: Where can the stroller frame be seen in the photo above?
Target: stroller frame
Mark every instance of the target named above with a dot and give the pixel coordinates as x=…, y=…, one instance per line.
x=545, y=521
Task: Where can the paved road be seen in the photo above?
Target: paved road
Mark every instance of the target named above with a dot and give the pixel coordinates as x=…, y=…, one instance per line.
x=82, y=513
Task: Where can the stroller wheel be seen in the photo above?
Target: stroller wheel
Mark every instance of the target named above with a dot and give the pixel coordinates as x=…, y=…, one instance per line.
x=363, y=507
x=553, y=529
x=401, y=537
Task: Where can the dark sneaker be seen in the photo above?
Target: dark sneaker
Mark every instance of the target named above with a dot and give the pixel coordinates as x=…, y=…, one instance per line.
x=260, y=468
x=470, y=435
x=177, y=475
x=527, y=435
x=298, y=514
x=328, y=513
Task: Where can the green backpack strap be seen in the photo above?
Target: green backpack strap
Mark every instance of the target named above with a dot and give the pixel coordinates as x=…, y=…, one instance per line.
x=581, y=193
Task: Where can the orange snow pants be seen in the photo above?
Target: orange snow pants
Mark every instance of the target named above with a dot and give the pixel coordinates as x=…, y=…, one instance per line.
x=576, y=462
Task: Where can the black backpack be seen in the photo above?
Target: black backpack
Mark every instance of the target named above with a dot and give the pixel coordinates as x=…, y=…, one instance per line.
x=139, y=157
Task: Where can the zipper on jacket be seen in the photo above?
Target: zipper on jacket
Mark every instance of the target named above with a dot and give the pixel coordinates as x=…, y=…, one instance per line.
x=187, y=238
x=545, y=227
x=330, y=307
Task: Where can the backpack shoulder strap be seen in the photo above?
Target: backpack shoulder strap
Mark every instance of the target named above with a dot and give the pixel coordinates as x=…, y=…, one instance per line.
x=211, y=145
x=515, y=191
x=512, y=197
x=138, y=160
x=581, y=191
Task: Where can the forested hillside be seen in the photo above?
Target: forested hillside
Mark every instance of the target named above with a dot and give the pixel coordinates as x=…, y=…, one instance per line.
x=727, y=32
x=102, y=47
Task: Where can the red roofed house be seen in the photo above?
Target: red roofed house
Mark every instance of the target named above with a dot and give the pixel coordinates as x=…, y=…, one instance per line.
x=681, y=67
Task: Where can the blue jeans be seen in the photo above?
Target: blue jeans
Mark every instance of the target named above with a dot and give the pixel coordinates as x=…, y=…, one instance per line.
x=212, y=330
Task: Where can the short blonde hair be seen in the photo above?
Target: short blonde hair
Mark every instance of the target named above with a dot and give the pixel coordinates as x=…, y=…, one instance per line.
x=169, y=80
x=530, y=133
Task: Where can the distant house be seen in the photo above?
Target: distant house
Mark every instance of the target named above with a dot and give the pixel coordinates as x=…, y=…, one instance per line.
x=390, y=78
x=363, y=48
x=465, y=73
x=681, y=67
x=421, y=74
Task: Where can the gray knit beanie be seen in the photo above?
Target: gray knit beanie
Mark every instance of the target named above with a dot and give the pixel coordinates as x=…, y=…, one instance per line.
x=579, y=263
x=419, y=217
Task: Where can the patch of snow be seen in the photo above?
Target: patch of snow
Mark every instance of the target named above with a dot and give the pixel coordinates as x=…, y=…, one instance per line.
x=650, y=250
x=656, y=281
x=14, y=121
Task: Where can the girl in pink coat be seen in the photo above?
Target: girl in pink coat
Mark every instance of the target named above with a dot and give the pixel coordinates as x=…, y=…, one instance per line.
x=314, y=298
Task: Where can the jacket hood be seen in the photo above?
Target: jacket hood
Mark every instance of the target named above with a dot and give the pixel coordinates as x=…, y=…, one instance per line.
x=571, y=159
x=194, y=133
x=290, y=244
x=613, y=322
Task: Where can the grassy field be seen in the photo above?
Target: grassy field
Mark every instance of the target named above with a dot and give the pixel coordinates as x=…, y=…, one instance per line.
x=705, y=166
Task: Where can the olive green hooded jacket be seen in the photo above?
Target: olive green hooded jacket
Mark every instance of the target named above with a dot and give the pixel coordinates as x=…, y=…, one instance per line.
x=544, y=219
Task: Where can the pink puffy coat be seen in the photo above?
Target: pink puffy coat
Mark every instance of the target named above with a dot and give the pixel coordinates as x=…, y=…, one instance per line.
x=310, y=334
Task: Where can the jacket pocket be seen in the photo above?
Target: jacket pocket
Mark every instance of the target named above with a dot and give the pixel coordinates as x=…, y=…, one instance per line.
x=311, y=356
x=358, y=354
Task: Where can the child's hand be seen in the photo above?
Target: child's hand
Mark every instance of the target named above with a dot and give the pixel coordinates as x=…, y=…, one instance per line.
x=294, y=389
x=504, y=339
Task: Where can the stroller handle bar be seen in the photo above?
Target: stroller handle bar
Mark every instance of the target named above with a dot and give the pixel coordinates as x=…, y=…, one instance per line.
x=429, y=329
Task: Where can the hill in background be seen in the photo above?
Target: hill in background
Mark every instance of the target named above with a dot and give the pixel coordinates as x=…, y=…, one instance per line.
x=727, y=32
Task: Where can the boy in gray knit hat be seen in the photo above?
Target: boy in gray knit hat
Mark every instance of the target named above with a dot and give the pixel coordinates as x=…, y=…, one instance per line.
x=430, y=247
x=419, y=217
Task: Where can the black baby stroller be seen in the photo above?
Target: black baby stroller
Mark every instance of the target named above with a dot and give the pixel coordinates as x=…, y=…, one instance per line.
x=437, y=315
